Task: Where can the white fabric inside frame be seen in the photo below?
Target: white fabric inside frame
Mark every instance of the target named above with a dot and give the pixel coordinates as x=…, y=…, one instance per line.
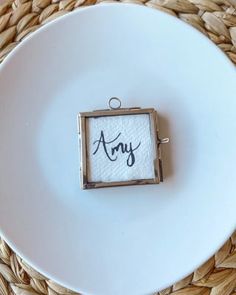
x=120, y=148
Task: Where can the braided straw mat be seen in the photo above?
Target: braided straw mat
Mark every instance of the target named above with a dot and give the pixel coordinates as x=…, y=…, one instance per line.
x=214, y=18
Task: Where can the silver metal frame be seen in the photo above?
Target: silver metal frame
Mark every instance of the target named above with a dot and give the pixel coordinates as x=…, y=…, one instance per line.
x=83, y=133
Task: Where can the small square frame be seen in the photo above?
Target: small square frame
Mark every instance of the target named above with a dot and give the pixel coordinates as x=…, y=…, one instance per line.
x=83, y=135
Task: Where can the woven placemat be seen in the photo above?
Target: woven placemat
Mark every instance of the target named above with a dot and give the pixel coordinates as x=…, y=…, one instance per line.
x=214, y=18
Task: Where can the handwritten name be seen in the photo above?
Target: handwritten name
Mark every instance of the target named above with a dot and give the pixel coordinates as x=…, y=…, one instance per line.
x=112, y=147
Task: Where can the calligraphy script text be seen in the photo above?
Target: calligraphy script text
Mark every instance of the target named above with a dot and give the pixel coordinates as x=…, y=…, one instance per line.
x=112, y=147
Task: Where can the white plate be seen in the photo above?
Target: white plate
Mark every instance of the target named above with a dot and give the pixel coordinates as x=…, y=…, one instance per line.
x=129, y=240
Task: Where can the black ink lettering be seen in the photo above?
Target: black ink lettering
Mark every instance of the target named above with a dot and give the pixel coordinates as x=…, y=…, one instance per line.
x=131, y=157
x=104, y=143
x=124, y=148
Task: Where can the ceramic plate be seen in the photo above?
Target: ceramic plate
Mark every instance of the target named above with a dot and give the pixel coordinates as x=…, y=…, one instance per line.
x=124, y=240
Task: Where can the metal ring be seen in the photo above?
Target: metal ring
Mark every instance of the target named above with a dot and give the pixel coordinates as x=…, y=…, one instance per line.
x=114, y=99
x=164, y=140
